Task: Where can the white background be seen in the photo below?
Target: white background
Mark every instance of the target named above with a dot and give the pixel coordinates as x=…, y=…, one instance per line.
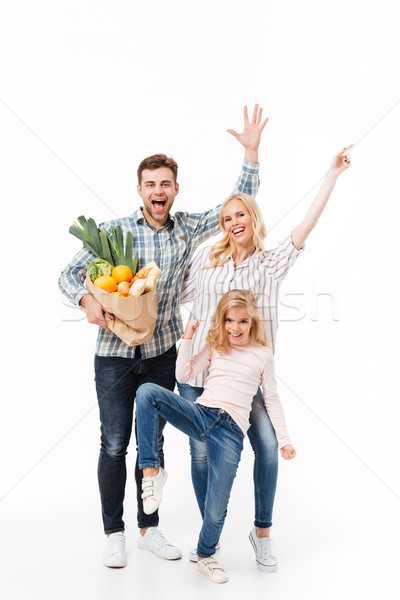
x=87, y=90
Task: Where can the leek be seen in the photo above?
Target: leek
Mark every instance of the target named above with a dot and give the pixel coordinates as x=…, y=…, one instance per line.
x=109, y=247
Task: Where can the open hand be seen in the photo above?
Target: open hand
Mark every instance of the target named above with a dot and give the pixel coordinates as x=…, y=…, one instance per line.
x=251, y=134
x=288, y=452
x=341, y=161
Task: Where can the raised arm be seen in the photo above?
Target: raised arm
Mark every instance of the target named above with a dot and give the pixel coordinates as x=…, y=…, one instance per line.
x=187, y=368
x=202, y=226
x=339, y=164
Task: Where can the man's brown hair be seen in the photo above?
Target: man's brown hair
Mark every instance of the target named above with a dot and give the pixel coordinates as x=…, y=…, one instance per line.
x=155, y=162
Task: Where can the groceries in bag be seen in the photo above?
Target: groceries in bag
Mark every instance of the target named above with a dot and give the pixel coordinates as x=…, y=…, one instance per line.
x=112, y=279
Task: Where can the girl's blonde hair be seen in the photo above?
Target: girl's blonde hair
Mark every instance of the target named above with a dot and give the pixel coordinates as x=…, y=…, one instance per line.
x=217, y=338
x=220, y=252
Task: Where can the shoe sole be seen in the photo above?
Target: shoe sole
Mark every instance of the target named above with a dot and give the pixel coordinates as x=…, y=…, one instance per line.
x=110, y=566
x=266, y=568
x=261, y=566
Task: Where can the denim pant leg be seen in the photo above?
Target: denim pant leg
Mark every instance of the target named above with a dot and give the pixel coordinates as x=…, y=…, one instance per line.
x=263, y=441
x=153, y=401
x=159, y=370
x=225, y=443
x=117, y=380
x=116, y=383
x=198, y=452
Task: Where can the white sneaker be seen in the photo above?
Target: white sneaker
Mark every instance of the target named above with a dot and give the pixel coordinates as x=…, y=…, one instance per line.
x=212, y=570
x=154, y=541
x=152, y=491
x=265, y=552
x=114, y=552
x=193, y=553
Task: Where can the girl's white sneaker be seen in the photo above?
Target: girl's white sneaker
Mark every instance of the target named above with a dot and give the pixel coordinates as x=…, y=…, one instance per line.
x=212, y=570
x=265, y=552
x=152, y=491
x=193, y=553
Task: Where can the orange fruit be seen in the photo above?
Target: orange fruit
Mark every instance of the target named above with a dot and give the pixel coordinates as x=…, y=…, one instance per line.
x=106, y=283
x=121, y=273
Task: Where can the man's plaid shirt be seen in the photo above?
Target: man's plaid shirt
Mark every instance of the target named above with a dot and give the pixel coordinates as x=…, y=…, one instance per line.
x=171, y=247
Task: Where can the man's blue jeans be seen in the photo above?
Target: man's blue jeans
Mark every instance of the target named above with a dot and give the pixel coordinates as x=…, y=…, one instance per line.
x=117, y=380
x=212, y=426
x=263, y=441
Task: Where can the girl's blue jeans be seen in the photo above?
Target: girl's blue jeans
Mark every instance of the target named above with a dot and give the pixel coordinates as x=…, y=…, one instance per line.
x=213, y=427
x=263, y=441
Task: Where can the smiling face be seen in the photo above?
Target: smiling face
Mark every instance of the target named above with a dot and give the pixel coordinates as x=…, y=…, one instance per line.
x=237, y=223
x=237, y=325
x=158, y=190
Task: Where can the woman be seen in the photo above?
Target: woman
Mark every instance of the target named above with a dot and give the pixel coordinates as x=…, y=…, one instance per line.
x=240, y=261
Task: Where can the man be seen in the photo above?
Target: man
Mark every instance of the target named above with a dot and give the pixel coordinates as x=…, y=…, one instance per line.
x=120, y=369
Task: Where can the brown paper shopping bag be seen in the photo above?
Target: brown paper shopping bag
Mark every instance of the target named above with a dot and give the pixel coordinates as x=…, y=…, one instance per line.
x=134, y=318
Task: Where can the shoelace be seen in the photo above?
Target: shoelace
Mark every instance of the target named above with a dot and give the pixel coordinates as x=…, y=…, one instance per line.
x=116, y=544
x=158, y=538
x=267, y=547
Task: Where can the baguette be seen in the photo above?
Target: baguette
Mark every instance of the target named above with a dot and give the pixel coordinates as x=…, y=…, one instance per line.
x=152, y=279
x=138, y=288
x=144, y=280
x=144, y=272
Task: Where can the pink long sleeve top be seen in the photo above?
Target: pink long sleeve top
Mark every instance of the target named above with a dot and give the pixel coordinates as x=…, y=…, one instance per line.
x=232, y=382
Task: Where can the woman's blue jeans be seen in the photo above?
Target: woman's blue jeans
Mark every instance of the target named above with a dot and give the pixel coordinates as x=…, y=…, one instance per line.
x=263, y=441
x=213, y=427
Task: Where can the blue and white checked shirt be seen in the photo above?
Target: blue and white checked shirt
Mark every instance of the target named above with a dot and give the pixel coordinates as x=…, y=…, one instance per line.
x=171, y=247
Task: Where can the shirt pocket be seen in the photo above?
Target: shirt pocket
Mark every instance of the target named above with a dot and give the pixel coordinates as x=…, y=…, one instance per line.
x=179, y=251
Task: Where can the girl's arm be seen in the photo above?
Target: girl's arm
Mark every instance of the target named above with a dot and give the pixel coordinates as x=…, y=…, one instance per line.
x=186, y=368
x=275, y=410
x=340, y=163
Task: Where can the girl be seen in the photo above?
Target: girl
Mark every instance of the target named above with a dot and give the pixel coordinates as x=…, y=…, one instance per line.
x=239, y=260
x=238, y=361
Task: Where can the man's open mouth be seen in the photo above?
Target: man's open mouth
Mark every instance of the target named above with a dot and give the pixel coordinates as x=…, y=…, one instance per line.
x=158, y=205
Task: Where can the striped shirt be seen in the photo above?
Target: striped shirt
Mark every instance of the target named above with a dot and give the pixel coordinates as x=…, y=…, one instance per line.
x=171, y=247
x=262, y=274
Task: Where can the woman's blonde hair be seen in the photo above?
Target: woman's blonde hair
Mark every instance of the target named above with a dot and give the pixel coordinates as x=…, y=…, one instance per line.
x=220, y=252
x=217, y=338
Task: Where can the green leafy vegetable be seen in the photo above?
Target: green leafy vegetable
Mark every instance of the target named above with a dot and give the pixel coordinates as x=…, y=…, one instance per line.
x=99, y=267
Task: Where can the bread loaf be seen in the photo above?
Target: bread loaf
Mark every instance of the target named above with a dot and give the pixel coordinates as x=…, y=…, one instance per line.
x=138, y=288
